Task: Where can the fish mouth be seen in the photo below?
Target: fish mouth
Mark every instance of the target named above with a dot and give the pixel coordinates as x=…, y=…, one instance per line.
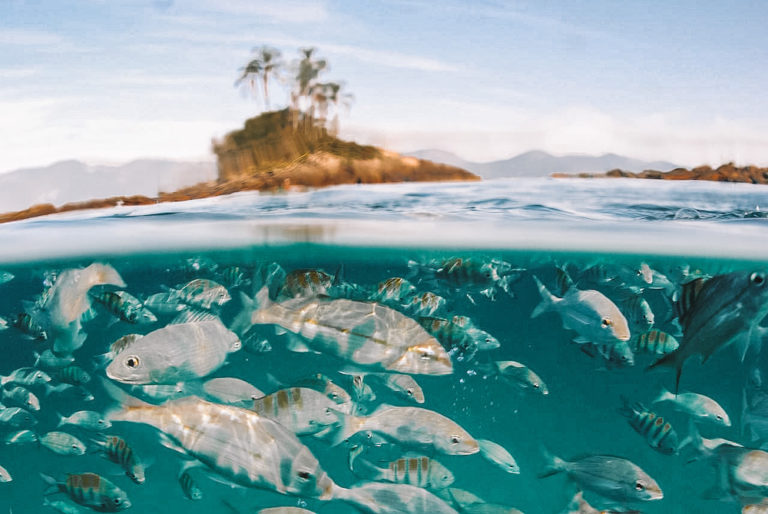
x=655, y=494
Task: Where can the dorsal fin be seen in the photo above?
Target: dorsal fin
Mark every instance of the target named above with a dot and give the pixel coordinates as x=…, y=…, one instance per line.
x=564, y=281
x=688, y=295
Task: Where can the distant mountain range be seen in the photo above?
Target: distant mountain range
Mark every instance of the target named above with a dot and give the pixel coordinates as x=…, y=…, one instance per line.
x=542, y=164
x=75, y=181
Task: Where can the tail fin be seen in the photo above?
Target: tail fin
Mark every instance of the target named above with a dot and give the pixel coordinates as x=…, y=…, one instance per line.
x=51, y=483
x=60, y=420
x=554, y=465
x=670, y=360
x=547, y=299
x=693, y=439
x=124, y=400
x=249, y=313
x=664, y=395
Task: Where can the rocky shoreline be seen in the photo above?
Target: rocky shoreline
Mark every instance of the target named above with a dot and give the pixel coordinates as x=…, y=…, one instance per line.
x=725, y=173
x=319, y=169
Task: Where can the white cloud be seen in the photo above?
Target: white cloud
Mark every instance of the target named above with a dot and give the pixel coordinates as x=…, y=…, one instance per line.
x=21, y=37
x=285, y=11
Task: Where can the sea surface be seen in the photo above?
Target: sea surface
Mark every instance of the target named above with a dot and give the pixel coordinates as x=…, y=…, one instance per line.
x=480, y=246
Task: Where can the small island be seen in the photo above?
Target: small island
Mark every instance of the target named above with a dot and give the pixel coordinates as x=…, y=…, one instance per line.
x=725, y=173
x=292, y=148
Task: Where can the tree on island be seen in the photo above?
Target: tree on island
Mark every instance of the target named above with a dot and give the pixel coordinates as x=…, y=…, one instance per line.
x=312, y=103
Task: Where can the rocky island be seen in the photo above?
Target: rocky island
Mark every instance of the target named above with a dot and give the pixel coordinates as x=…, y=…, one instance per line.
x=725, y=173
x=286, y=149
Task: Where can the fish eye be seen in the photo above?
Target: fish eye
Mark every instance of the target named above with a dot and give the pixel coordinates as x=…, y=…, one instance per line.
x=455, y=439
x=719, y=417
x=605, y=323
x=116, y=501
x=74, y=447
x=409, y=392
x=304, y=475
x=757, y=278
x=132, y=361
x=639, y=486
x=536, y=385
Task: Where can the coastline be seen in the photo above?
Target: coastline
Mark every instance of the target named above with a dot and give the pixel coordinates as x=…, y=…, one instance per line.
x=725, y=173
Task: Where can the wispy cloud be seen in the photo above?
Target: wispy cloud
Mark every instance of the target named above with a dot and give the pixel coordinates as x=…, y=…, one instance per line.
x=286, y=11
x=18, y=73
x=392, y=59
x=22, y=37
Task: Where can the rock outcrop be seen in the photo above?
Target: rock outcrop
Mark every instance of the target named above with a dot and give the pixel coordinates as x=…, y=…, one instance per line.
x=725, y=173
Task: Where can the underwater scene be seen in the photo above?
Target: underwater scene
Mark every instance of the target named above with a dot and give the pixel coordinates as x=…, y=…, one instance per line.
x=414, y=369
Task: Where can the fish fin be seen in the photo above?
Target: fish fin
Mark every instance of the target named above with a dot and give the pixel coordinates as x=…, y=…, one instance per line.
x=547, y=299
x=554, y=465
x=365, y=469
x=354, y=451
x=169, y=443
x=564, y=280
x=91, y=313
x=581, y=340
x=279, y=331
x=124, y=400
x=664, y=395
x=349, y=425
x=52, y=485
x=186, y=465
x=687, y=298
x=298, y=344
x=242, y=322
x=221, y=480
x=693, y=439
x=60, y=419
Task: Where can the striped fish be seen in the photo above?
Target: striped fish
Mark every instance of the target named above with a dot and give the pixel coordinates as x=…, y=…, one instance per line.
x=189, y=486
x=74, y=375
x=90, y=490
x=117, y=450
x=655, y=342
x=305, y=282
x=393, y=289
x=299, y=409
x=657, y=432
x=202, y=293
x=425, y=304
x=124, y=306
x=417, y=470
x=638, y=313
x=29, y=327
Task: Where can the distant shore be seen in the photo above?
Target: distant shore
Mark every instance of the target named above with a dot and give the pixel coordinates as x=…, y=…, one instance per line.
x=725, y=173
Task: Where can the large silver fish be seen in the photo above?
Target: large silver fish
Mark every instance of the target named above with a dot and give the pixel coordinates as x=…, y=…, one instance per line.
x=384, y=498
x=366, y=333
x=175, y=353
x=589, y=312
x=717, y=312
x=67, y=300
x=238, y=444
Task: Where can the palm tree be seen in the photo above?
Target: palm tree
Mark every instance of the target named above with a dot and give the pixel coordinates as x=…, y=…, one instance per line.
x=306, y=76
x=337, y=99
x=264, y=65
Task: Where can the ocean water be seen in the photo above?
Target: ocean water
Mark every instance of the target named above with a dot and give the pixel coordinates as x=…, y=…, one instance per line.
x=364, y=235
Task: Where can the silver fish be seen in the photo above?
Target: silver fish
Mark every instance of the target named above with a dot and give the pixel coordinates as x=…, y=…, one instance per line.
x=5, y=276
x=498, y=455
x=590, y=313
x=86, y=419
x=654, y=342
x=325, y=385
x=392, y=290
x=51, y=361
x=232, y=391
x=426, y=304
x=743, y=472
x=26, y=377
x=124, y=306
x=303, y=411
x=516, y=374
x=202, y=293
x=305, y=282
x=260, y=452
x=638, y=313
x=612, y=477
x=16, y=417
x=384, y=498
x=90, y=490
x=189, y=486
x=368, y=334
x=117, y=450
x=414, y=427
x=4, y=475
x=697, y=405
x=67, y=300
x=21, y=437
x=460, y=334
x=21, y=397
x=63, y=443
x=174, y=353
x=284, y=510
x=717, y=312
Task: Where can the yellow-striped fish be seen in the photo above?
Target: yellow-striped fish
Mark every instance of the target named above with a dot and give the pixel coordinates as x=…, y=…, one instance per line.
x=90, y=490
x=657, y=431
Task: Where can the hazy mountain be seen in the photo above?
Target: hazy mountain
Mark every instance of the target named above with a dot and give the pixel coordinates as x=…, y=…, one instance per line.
x=541, y=164
x=75, y=181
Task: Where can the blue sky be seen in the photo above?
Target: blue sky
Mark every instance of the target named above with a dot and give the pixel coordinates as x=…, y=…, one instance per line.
x=107, y=81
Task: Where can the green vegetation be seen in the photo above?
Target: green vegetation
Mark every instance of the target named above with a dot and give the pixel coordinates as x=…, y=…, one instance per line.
x=308, y=124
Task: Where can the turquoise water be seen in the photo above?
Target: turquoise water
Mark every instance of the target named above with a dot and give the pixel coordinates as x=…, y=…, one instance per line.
x=364, y=235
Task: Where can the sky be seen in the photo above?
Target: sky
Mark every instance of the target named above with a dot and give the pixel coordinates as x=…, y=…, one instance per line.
x=108, y=81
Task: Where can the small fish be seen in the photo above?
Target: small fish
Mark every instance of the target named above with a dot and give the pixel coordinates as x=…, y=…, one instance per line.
x=426, y=304
x=361, y=392
x=612, y=477
x=202, y=293
x=174, y=354
x=403, y=385
x=62, y=506
x=578, y=505
x=21, y=397
x=284, y=510
x=655, y=342
x=62, y=443
x=29, y=327
x=161, y=392
x=616, y=355
x=498, y=455
x=416, y=470
x=232, y=391
x=657, y=432
x=86, y=419
x=26, y=377
x=189, y=486
x=325, y=385
x=16, y=417
x=74, y=375
x=69, y=392
x=21, y=437
x=697, y=405
x=164, y=303
x=117, y=450
x=90, y=490
x=638, y=313
x=301, y=410
x=4, y=475
x=234, y=276
x=3, y=324
x=5, y=276
x=305, y=282
x=51, y=361
x=387, y=498
x=715, y=313
x=124, y=306
x=414, y=427
x=516, y=374
x=393, y=289
x=459, y=333
x=590, y=313
x=705, y=447
x=256, y=345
